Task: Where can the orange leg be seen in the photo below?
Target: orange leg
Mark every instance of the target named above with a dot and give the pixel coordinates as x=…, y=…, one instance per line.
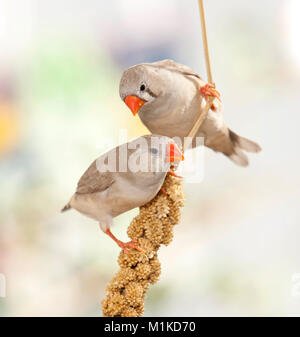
x=125, y=245
x=174, y=174
x=163, y=191
x=209, y=90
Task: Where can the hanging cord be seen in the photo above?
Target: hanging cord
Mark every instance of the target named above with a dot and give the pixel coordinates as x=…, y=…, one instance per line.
x=205, y=43
x=210, y=100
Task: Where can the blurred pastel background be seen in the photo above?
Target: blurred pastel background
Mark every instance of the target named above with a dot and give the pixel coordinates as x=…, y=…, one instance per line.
x=236, y=251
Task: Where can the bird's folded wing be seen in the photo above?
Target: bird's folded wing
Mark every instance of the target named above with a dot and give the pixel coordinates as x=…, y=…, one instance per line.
x=177, y=67
x=94, y=181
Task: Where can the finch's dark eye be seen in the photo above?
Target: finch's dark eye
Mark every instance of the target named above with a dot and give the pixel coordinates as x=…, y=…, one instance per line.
x=142, y=87
x=153, y=150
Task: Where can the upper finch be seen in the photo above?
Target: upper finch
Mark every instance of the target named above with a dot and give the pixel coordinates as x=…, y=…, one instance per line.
x=169, y=97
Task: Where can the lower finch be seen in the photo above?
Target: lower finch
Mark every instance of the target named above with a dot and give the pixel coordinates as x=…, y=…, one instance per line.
x=124, y=178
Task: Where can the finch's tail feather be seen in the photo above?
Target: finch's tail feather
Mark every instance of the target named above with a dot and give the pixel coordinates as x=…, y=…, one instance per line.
x=239, y=158
x=241, y=144
x=67, y=207
x=244, y=143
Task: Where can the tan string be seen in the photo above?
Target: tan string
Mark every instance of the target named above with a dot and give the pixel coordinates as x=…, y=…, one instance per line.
x=210, y=100
x=205, y=43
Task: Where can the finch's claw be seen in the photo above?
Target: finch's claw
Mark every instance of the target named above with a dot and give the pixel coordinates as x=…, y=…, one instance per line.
x=130, y=245
x=125, y=245
x=210, y=90
x=174, y=174
x=163, y=191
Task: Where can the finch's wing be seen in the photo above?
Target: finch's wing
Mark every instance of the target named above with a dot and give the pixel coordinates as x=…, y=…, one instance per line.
x=177, y=67
x=94, y=181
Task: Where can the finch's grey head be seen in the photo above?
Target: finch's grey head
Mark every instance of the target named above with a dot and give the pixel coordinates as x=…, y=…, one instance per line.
x=152, y=153
x=142, y=86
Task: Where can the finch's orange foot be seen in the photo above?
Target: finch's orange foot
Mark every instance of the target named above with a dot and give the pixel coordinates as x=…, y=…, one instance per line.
x=130, y=245
x=124, y=245
x=174, y=174
x=210, y=90
x=163, y=191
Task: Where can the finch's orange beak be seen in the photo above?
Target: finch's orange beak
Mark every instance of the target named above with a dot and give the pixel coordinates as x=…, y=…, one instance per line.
x=134, y=103
x=173, y=153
